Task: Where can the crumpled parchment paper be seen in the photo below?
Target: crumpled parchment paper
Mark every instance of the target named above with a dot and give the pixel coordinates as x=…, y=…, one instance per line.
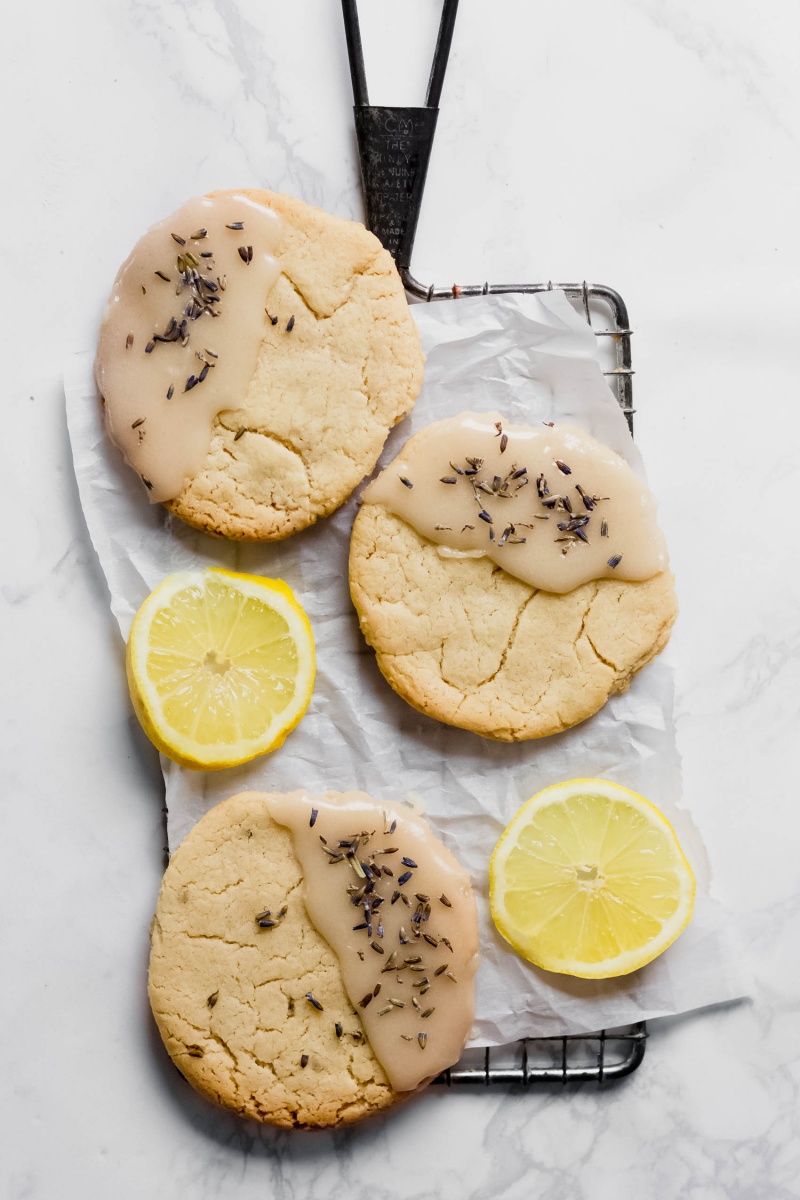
x=534, y=359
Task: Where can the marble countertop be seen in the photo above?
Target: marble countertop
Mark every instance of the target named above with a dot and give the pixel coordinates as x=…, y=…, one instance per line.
x=647, y=146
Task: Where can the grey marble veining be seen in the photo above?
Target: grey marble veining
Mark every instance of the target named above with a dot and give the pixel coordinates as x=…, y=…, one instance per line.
x=652, y=147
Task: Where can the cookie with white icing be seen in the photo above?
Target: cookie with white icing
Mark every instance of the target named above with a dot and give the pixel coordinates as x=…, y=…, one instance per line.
x=252, y=1000
x=322, y=354
x=501, y=650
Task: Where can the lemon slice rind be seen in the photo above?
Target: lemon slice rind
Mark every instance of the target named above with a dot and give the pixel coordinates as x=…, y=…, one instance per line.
x=149, y=704
x=674, y=873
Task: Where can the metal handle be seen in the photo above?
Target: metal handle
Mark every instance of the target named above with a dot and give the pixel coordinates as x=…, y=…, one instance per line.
x=395, y=143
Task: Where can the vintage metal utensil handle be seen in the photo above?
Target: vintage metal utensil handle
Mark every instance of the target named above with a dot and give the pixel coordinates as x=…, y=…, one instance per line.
x=395, y=143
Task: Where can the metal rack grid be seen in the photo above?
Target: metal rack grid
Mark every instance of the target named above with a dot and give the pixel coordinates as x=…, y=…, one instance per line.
x=578, y=1058
x=394, y=146
x=593, y=298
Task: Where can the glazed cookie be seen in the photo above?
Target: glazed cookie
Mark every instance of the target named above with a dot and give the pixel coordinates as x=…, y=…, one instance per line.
x=582, y=601
x=268, y=1000
x=253, y=357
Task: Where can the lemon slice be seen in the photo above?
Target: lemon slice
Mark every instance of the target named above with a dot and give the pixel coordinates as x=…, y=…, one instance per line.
x=220, y=666
x=589, y=880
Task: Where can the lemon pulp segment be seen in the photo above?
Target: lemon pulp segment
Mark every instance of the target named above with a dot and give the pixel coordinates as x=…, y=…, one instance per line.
x=589, y=879
x=220, y=665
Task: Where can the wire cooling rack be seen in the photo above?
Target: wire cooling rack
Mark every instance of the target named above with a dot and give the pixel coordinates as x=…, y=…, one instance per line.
x=394, y=148
x=578, y=1058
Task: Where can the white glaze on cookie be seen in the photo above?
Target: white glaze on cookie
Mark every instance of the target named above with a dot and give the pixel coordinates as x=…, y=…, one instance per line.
x=181, y=333
x=549, y=505
x=407, y=964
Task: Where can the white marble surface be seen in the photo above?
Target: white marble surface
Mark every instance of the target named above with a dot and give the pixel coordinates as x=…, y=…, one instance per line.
x=650, y=146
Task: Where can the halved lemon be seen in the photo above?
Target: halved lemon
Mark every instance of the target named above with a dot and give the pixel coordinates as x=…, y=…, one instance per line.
x=589, y=880
x=220, y=666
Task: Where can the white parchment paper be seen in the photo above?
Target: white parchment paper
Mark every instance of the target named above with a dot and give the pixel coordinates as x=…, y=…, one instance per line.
x=532, y=358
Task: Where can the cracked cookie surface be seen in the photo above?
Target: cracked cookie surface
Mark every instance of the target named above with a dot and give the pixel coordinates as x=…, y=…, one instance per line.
x=465, y=642
x=229, y=997
x=324, y=394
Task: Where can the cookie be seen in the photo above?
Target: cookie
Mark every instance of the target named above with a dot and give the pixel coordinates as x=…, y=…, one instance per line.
x=464, y=640
x=267, y=415
x=249, y=996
